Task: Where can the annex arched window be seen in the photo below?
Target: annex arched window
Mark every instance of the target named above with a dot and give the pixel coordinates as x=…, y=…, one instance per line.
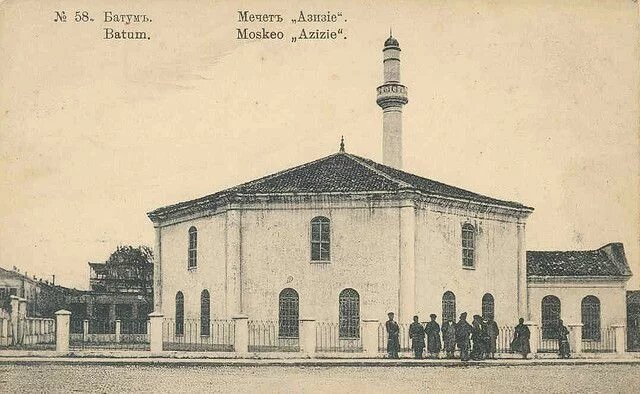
x=550, y=317
x=289, y=305
x=590, y=310
x=488, y=307
x=179, y=313
x=449, y=306
x=205, y=312
x=468, y=245
x=193, y=247
x=320, y=239
x=349, y=314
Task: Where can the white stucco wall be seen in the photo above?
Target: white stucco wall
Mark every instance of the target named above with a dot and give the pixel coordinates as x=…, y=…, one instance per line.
x=439, y=263
x=612, y=296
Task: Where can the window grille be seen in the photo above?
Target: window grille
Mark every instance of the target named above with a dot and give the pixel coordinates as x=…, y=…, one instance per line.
x=205, y=313
x=488, y=306
x=349, y=315
x=179, y=313
x=468, y=245
x=288, y=314
x=449, y=306
x=550, y=317
x=320, y=239
x=591, y=318
x=193, y=247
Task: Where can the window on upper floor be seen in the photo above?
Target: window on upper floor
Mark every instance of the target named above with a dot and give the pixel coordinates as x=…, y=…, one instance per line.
x=468, y=245
x=320, y=239
x=193, y=248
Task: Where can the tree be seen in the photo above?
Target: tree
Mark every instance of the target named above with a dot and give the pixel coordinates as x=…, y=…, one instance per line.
x=130, y=267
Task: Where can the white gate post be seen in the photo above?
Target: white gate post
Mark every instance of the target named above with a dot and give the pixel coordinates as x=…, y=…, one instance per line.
x=118, y=330
x=575, y=338
x=241, y=340
x=620, y=337
x=308, y=336
x=155, y=331
x=370, y=336
x=62, y=330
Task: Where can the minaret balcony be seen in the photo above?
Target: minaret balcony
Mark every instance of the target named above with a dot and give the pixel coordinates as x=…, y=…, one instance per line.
x=390, y=95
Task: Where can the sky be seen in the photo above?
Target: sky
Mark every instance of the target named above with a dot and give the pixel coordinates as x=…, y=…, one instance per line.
x=531, y=101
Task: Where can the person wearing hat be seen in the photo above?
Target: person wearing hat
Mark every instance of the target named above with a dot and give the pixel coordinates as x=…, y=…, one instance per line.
x=463, y=330
x=393, y=333
x=432, y=329
x=416, y=333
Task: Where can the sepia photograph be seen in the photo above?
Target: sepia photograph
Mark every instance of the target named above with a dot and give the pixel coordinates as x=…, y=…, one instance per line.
x=319, y=196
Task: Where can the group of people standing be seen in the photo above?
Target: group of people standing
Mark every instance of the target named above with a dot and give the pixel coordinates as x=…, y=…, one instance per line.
x=476, y=340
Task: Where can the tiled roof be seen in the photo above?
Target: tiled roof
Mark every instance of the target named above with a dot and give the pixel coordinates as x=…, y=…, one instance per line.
x=609, y=260
x=340, y=172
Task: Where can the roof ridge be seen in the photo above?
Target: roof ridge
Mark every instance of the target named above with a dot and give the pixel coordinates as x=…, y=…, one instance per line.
x=363, y=162
x=279, y=173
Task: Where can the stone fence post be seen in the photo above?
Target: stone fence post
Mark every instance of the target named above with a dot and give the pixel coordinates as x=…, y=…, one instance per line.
x=370, y=336
x=63, y=318
x=118, y=330
x=308, y=336
x=155, y=331
x=241, y=340
x=619, y=330
x=534, y=338
x=85, y=330
x=575, y=338
x=14, y=325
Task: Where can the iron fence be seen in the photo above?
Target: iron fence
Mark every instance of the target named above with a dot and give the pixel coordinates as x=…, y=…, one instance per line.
x=104, y=334
x=603, y=343
x=264, y=336
x=505, y=337
x=547, y=345
x=405, y=341
x=28, y=333
x=328, y=339
x=188, y=335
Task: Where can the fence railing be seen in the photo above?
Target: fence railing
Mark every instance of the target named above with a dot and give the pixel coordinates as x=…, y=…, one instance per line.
x=103, y=334
x=39, y=331
x=191, y=335
x=6, y=332
x=505, y=337
x=265, y=336
x=603, y=343
x=405, y=341
x=547, y=345
x=329, y=338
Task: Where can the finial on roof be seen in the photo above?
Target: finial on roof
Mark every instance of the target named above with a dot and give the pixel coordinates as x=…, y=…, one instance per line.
x=342, y=143
x=390, y=32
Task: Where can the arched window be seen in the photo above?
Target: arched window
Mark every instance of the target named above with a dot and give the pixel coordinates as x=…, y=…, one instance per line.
x=449, y=306
x=179, y=313
x=349, y=314
x=320, y=239
x=488, y=307
x=591, y=318
x=205, y=313
x=193, y=247
x=468, y=245
x=550, y=317
x=288, y=313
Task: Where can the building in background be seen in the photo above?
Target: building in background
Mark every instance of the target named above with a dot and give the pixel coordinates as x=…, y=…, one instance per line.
x=44, y=298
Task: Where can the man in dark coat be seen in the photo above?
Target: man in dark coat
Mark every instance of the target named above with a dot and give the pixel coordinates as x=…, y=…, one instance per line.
x=432, y=329
x=492, y=332
x=463, y=330
x=521, y=335
x=416, y=333
x=479, y=337
x=563, y=341
x=449, y=337
x=393, y=333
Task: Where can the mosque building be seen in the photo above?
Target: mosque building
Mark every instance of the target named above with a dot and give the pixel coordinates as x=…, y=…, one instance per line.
x=344, y=238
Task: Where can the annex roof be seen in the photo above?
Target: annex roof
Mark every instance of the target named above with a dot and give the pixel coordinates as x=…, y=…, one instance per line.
x=607, y=261
x=337, y=173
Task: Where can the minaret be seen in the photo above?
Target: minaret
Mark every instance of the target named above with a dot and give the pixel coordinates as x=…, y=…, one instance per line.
x=391, y=97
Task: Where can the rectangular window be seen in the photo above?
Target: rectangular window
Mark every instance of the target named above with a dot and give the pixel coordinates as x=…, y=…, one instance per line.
x=320, y=239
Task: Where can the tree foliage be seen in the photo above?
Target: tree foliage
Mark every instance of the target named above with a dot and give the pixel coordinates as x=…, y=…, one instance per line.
x=130, y=255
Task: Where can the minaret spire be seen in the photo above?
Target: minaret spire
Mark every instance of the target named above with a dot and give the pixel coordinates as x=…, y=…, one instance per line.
x=391, y=97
